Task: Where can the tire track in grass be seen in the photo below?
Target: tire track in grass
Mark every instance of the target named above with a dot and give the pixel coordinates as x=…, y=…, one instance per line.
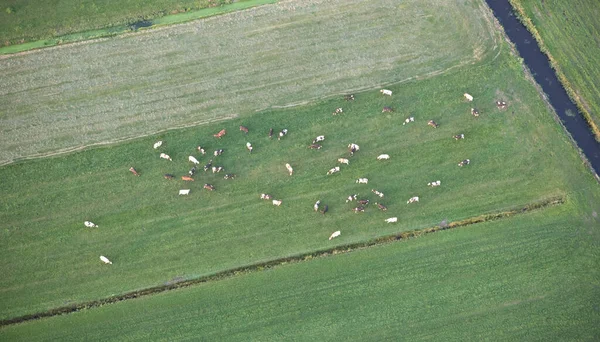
x=182, y=283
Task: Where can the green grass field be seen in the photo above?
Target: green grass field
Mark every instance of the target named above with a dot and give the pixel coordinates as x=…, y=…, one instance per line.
x=570, y=34
x=63, y=98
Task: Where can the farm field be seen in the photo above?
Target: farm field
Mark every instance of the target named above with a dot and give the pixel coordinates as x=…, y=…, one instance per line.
x=529, y=277
x=289, y=53
x=519, y=156
x=570, y=33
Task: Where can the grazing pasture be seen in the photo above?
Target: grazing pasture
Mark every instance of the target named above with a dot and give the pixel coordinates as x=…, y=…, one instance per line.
x=529, y=277
x=285, y=54
x=568, y=32
x=153, y=236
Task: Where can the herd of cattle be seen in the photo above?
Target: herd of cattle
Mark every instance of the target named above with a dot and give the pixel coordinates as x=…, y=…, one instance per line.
x=318, y=206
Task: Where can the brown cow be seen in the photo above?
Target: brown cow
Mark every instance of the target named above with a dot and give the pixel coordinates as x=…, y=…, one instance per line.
x=168, y=176
x=187, y=178
x=359, y=210
x=315, y=147
x=244, y=129
x=220, y=134
x=209, y=187
x=432, y=124
x=387, y=110
x=501, y=104
x=363, y=201
x=134, y=171
x=381, y=206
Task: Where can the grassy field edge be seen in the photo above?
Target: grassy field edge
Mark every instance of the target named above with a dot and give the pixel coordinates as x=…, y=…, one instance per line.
x=112, y=31
x=261, y=266
x=526, y=20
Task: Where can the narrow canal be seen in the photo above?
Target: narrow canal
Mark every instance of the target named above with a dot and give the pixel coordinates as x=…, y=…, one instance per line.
x=544, y=75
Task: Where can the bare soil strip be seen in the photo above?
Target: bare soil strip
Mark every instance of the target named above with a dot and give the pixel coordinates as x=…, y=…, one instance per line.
x=538, y=205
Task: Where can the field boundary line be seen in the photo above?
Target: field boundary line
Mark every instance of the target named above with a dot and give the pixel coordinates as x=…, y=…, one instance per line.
x=270, y=264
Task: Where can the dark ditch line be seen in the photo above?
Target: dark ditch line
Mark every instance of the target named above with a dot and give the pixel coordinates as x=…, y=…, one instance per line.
x=538, y=205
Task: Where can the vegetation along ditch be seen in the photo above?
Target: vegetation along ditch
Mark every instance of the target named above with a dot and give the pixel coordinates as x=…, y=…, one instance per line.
x=545, y=76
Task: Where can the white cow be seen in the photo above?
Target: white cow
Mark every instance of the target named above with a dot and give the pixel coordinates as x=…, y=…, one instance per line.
x=105, y=260
x=165, y=156
x=316, y=206
x=362, y=181
x=319, y=138
x=90, y=224
x=391, y=220
x=184, y=192
x=343, y=161
x=413, y=200
x=468, y=97
x=193, y=160
x=289, y=168
x=436, y=183
x=249, y=147
x=277, y=202
x=386, y=92
x=158, y=144
x=383, y=157
x=378, y=193
x=335, y=234
x=410, y=119
x=334, y=170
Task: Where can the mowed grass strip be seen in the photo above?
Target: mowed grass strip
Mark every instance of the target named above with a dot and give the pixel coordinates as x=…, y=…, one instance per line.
x=530, y=277
x=568, y=32
x=154, y=236
x=288, y=53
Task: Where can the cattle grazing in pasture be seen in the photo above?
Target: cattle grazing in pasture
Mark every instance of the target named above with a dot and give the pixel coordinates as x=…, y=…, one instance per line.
x=343, y=161
x=187, y=178
x=468, y=97
x=359, y=209
x=289, y=168
x=363, y=201
x=184, y=192
x=432, y=124
x=277, y=203
x=201, y=150
x=351, y=198
x=229, y=176
x=270, y=133
x=383, y=157
x=319, y=139
x=337, y=111
x=335, y=234
x=475, y=112
x=325, y=209
x=434, y=184
x=266, y=197
x=501, y=104
x=316, y=206
x=217, y=169
x=209, y=187
x=218, y=152
x=193, y=160
x=349, y=97
x=90, y=224
x=410, y=119
x=249, y=147
x=413, y=199
x=282, y=133
x=192, y=171
x=244, y=129
x=362, y=181
x=378, y=193
x=165, y=156
x=168, y=176
x=134, y=171
x=387, y=110
x=333, y=170
x=464, y=162
x=158, y=144
x=386, y=92
x=220, y=134
x=105, y=260
x=315, y=147
x=391, y=220
x=381, y=206
x=208, y=166
x=353, y=148
x=458, y=136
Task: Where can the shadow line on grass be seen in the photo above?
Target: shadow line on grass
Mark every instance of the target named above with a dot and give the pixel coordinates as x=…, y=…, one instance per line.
x=340, y=249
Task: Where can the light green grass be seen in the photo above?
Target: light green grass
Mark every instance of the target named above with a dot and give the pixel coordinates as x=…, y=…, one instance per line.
x=531, y=277
x=154, y=236
x=292, y=52
x=569, y=32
